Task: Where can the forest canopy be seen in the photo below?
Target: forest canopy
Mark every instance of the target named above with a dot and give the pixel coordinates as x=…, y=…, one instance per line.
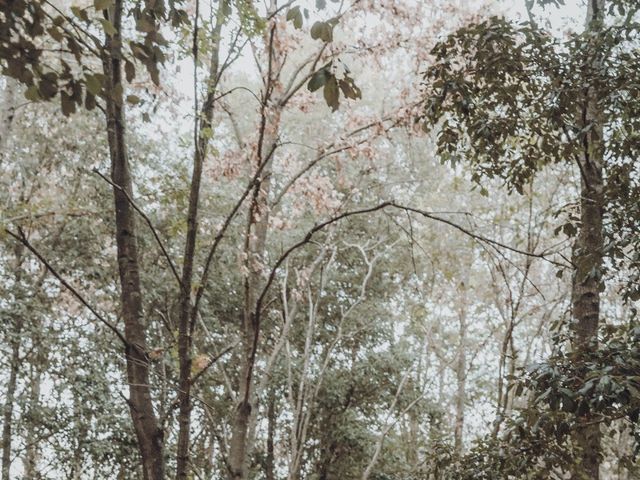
x=344, y=239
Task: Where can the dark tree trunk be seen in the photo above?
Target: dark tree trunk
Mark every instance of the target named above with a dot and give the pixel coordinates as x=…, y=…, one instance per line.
x=8, y=103
x=587, y=255
x=271, y=428
x=148, y=433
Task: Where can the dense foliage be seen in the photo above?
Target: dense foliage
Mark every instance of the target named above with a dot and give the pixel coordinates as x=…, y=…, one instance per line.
x=227, y=250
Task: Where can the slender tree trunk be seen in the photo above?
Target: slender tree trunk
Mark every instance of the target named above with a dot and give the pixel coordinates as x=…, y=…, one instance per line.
x=7, y=110
x=588, y=251
x=187, y=312
x=77, y=466
x=209, y=454
x=507, y=402
x=8, y=103
x=501, y=396
x=413, y=434
x=461, y=384
x=271, y=428
x=33, y=450
x=255, y=247
x=7, y=414
x=14, y=368
x=148, y=432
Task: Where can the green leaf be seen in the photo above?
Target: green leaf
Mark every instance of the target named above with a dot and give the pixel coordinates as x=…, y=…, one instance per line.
x=68, y=104
x=56, y=33
x=318, y=80
x=316, y=30
x=94, y=85
x=80, y=13
x=133, y=99
x=129, y=71
x=32, y=94
x=206, y=133
x=295, y=15
x=102, y=4
x=48, y=85
x=331, y=94
x=145, y=25
x=90, y=101
x=108, y=27
x=326, y=32
x=152, y=68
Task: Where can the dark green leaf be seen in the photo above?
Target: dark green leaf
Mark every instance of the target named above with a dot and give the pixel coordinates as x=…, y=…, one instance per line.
x=318, y=80
x=108, y=27
x=94, y=85
x=331, y=94
x=102, y=4
x=129, y=71
x=295, y=15
x=68, y=104
x=32, y=94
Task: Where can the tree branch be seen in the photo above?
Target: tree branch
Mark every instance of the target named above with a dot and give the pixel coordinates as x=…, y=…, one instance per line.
x=149, y=223
x=20, y=237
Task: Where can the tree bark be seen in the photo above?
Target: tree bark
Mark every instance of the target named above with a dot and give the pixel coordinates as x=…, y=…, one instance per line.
x=588, y=251
x=7, y=414
x=271, y=428
x=187, y=312
x=461, y=385
x=254, y=248
x=8, y=104
x=32, y=452
x=148, y=433
x=14, y=367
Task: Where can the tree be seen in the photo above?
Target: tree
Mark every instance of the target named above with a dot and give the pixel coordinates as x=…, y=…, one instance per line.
x=512, y=99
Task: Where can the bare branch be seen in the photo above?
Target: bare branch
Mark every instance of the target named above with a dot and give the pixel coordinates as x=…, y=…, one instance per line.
x=20, y=237
x=149, y=223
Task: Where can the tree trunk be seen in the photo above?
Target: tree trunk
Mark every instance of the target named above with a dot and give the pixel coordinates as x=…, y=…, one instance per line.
x=32, y=450
x=187, y=312
x=271, y=428
x=14, y=367
x=148, y=433
x=254, y=248
x=77, y=465
x=461, y=380
x=8, y=103
x=7, y=414
x=587, y=254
